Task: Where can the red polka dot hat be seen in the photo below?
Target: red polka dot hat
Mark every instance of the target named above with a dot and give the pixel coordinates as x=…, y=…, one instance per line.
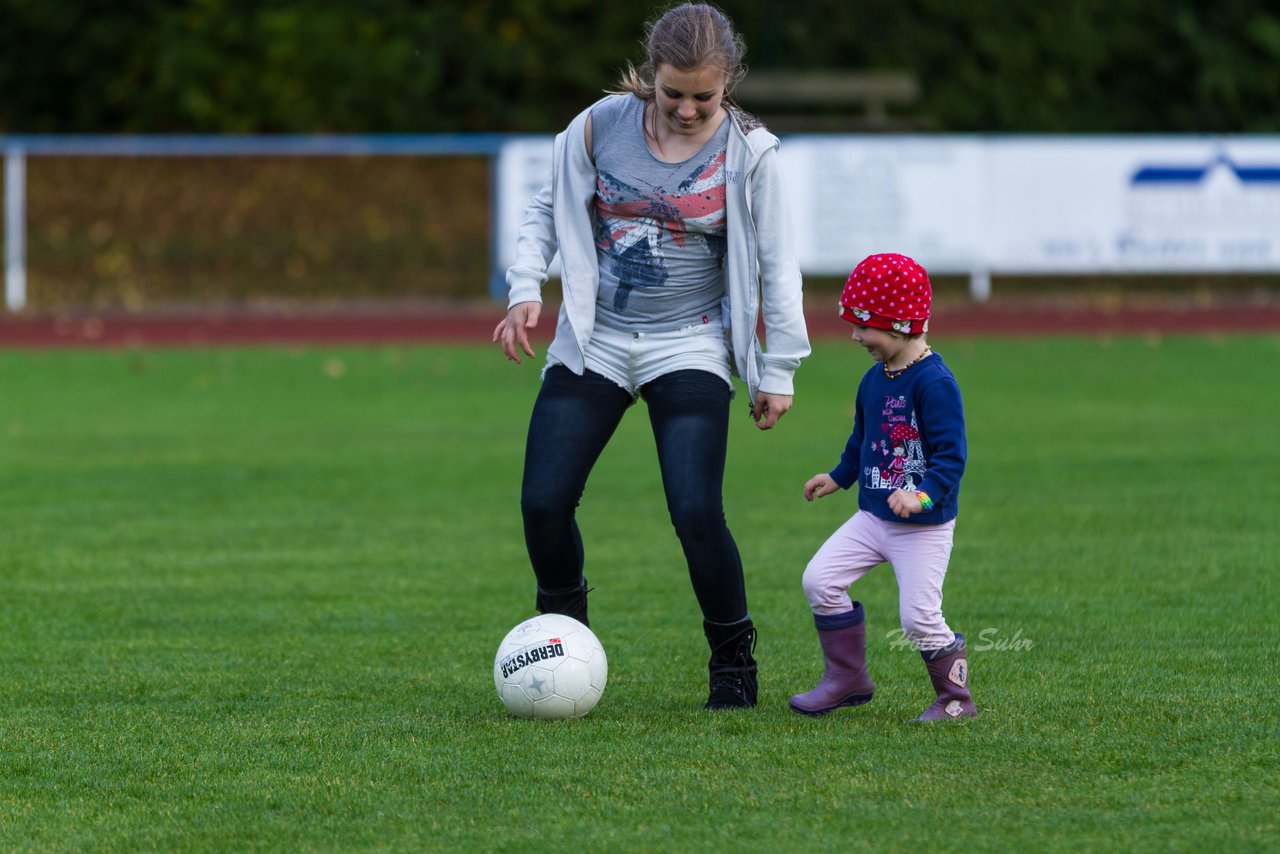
x=888, y=291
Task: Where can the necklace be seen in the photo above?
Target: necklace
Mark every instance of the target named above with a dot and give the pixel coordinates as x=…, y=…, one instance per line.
x=893, y=375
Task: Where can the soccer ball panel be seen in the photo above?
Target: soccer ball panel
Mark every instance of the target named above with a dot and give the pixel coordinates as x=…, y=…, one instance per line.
x=516, y=700
x=553, y=707
x=587, y=701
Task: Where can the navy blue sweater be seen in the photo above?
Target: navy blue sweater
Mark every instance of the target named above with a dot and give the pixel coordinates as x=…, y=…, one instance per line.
x=908, y=433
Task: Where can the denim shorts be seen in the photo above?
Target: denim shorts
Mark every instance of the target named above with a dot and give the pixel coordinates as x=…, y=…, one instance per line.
x=632, y=359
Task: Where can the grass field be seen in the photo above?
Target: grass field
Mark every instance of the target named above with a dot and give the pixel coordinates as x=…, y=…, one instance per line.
x=252, y=597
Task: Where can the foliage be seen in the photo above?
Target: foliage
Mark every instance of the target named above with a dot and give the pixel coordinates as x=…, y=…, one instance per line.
x=110, y=233
x=252, y=598
x=523, y=65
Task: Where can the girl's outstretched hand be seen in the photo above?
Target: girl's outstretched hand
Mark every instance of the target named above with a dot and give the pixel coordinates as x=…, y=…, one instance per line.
x=818, y=486
x=512, y=332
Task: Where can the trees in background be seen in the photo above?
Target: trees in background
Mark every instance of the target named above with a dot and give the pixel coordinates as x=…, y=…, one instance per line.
x=387, y=66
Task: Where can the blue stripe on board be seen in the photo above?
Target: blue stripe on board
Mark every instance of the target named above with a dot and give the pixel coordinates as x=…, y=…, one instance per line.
x=1259, y=174
x=1194, y=174
x=1168, y=175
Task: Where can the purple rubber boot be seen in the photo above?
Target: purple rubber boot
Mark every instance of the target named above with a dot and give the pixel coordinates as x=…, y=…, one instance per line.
x=949, y=673
x=844, y=681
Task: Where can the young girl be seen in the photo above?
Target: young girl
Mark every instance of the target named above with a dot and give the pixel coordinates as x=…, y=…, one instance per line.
x=907, y=454
x=666, y=206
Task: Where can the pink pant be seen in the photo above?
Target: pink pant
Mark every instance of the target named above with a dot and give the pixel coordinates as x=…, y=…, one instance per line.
x=919, y=556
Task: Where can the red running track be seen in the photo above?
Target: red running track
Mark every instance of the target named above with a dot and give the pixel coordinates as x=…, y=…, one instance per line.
x=474, y=324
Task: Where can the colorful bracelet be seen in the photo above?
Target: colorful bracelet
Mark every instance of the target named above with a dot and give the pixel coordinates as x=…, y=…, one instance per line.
x=925, y=501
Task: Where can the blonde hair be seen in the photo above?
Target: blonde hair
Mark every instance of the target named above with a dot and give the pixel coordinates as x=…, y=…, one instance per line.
x=688, y=36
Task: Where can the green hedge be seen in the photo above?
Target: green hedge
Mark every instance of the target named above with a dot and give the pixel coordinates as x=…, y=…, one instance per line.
x=447, y=65
x=134, y=233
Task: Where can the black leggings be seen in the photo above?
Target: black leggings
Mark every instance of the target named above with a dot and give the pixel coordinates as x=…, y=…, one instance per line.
x=574, y=418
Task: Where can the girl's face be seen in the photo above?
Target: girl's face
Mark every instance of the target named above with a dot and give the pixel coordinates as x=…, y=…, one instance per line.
x=882, y=344
x=688, y=101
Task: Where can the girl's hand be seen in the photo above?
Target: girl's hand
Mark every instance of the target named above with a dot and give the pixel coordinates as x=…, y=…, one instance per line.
x=904, y=504
x=769, y=408
x=512, y=331
x=818, y=486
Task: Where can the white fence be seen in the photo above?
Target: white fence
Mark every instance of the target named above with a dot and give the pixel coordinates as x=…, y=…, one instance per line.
x=17, y=149
x=971, y=205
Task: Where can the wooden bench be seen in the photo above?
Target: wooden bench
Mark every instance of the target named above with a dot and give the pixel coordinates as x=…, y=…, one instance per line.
x=829, y=100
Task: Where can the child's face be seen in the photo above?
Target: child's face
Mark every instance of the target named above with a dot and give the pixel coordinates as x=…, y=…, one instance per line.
x=882, y=344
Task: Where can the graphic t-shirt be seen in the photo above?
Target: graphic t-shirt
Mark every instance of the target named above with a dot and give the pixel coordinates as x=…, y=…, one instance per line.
x=660, y=227
x=908, y=433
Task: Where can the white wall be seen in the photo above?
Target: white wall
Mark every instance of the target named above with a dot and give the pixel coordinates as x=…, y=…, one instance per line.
x=983, y=204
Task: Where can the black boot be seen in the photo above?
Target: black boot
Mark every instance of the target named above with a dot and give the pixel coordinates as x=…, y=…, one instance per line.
x=571, y=602
x=732, y=667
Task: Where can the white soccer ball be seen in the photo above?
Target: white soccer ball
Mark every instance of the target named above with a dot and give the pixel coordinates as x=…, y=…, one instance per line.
x=550, y=666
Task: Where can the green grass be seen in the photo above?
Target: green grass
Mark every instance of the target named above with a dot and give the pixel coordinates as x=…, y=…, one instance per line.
x=252, y=597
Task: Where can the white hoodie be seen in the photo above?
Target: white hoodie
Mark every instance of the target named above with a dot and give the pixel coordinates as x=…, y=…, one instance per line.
x=761, y=273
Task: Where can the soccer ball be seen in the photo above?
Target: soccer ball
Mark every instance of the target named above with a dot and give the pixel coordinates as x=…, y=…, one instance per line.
x=550, y=666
